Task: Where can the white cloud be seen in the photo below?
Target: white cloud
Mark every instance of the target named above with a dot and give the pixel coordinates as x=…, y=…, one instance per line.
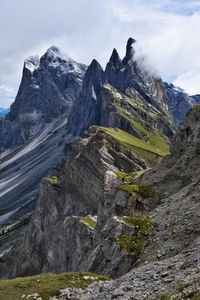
x=7, y=95
x=190, y=81
x=167, y=32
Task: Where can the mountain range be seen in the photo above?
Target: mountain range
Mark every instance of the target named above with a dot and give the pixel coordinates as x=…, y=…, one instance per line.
x=95, y=177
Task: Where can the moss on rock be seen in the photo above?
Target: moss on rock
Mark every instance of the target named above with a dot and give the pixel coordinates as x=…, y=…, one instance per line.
x=134, y=243
x=142, y=225
x=52, y=180
x=87, y=221
x=145, y=190
x=130, y=244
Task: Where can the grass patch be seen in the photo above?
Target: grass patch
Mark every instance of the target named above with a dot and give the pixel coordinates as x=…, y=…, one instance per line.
x=52, y=180
x=88, y=221
x=142, y=225
x=126, y=177
x=145, y=190
x=46, y=285
x=130, y=244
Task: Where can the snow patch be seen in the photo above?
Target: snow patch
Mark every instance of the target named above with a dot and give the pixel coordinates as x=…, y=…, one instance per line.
x=94, y=96
x=32, y=63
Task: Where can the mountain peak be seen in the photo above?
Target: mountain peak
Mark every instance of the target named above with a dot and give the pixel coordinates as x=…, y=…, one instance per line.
x=95, y=65
x=54, y=55
x=115, y=59
x=129, y=50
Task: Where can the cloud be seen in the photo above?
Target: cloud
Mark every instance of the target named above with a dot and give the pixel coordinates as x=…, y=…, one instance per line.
x=190, y=81
x=7, y=95
x=167, y=32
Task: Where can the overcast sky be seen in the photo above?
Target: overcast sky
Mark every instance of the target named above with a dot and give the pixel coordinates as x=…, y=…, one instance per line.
x=167, y=32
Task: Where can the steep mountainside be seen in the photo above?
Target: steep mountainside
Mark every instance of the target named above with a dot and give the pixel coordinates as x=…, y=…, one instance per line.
x=12, y=135
x=180, y=101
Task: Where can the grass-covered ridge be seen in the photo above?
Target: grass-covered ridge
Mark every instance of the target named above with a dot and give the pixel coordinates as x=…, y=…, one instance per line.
x=156, y=138
x=46, y=285
x=87, y=221
x=148, y=152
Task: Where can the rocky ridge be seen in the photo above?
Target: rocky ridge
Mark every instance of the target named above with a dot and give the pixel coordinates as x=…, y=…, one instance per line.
x=168, y=267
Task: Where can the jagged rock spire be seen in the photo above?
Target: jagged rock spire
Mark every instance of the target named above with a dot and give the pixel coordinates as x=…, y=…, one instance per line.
x=129, y=50
x=94, y=66
x=114, y=63
x=93, y=80
x=115, y=59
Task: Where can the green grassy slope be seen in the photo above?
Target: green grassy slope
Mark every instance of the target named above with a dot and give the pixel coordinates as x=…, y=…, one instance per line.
x=46, y=285
x=148, y=151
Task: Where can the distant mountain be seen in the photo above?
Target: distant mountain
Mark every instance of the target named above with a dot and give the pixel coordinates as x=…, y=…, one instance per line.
x=180, y=101
x=4, y=112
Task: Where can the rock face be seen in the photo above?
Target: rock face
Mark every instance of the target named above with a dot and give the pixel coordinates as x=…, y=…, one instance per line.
x=51, y=85
x=180, y=102
x=11, y=135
